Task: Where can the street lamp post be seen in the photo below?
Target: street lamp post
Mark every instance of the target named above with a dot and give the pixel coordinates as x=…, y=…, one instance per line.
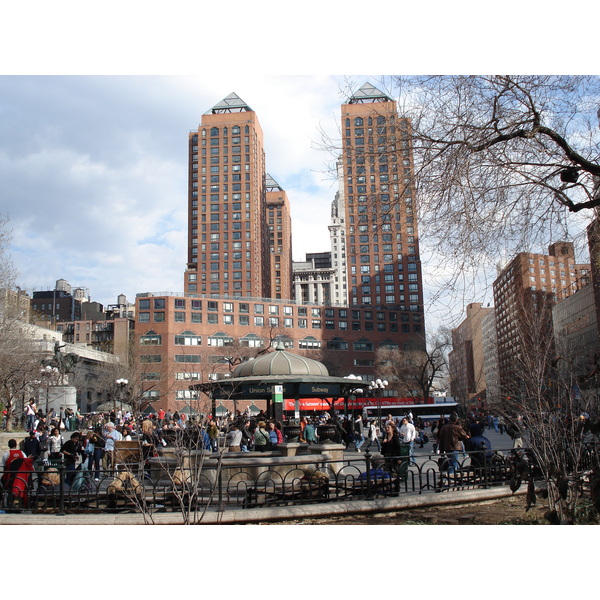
x=122, y=384
x=353, y=392
x=48, y=373
x=377, y=387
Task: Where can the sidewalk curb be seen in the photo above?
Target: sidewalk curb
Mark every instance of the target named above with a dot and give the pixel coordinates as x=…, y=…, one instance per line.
x=261, y=515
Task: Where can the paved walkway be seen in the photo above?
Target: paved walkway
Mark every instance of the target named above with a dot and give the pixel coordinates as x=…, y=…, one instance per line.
x=262, y=515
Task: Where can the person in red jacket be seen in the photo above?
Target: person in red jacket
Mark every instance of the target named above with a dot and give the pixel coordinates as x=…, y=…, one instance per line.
x=15, y=479
x=12, y=454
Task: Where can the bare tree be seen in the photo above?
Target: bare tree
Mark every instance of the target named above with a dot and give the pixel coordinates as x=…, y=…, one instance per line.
x=502, y=154
x=415, y=372
x=501, y=163
x=19, y=366
x=546, y=403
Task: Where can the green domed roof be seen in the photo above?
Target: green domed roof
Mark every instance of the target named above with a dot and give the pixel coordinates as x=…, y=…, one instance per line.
x=281, y=363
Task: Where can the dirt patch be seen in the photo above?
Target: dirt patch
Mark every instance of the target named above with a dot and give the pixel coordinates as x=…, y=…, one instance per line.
x=504, y=511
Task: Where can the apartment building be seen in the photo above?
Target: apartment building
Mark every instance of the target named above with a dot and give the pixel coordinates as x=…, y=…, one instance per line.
x=382, y=242
x=524, y=293
x=237, y=299
x=228, y=240
x=467, y=373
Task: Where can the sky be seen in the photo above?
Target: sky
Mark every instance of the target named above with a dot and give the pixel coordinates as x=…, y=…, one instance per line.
x=93, y=171
x=95, y=113
x=93, y=174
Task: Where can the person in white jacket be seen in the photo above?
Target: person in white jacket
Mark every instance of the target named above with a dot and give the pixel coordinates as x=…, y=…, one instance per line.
x=408, y=434
x=373, y=435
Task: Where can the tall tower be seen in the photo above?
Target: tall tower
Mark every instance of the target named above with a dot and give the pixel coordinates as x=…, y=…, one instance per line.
x=382, y=243
x=228, y=245
x=337, y=237
x=279, y=223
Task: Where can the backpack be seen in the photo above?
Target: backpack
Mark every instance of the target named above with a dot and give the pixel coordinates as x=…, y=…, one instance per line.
x=82, y=480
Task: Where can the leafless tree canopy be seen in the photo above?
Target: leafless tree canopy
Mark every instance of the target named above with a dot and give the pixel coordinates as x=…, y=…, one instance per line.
x=18, y=363
x=416, y=372
x=501, y=157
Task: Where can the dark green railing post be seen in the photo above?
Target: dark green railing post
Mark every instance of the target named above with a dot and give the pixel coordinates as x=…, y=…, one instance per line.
x=61, y=489
x=368, y=472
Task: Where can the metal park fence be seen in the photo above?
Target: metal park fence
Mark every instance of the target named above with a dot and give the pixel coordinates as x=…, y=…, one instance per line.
x=255, y=479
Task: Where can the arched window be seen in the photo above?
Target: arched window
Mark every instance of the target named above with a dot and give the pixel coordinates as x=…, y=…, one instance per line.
x=214, y=132
x=150, y=338
x=220, y=339
x=188, y=338
x=358, y=122
x=309, y=342
x=251, y=340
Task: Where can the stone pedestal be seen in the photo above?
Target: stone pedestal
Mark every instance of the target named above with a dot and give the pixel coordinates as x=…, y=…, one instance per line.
x=334, y=452
x=292, y=448
x=64, y=396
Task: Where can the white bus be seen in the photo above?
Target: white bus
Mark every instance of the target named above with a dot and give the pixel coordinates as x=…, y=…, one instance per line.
x=427, y=412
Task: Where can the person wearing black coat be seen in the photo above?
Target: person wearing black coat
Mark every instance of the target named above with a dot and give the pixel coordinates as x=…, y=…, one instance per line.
x=31, y=446
x=390, y=447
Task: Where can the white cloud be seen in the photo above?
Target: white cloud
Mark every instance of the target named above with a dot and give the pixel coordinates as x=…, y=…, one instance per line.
x=93, y=174
x=93, y=171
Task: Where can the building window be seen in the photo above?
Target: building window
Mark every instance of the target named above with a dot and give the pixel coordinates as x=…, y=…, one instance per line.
x=309, y=342
x=179, y=317
x=364, y=362
x=337, y=343
x=363, y=345
x=150, y=376
x=159, y=317
x=251, y=340
x=150, y=358
x=186, y=395
x=188, y=338
x=220, y=339
x=187, y=358
x=151, y=339
x=187, y=376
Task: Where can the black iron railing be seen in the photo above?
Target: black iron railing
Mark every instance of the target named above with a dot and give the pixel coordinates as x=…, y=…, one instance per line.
x=254, y=480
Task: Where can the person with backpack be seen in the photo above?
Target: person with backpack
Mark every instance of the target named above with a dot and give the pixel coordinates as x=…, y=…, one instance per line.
x=372, y=435
x=246, y=444
x=261, y=437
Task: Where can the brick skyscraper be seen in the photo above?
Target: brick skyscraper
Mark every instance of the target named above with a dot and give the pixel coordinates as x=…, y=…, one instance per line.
x=228, y=243
x=382, y=243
